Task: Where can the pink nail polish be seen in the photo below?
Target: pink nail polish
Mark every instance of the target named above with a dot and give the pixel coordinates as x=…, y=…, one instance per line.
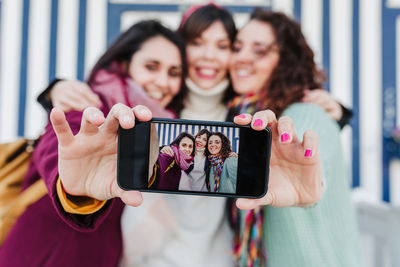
x=308, y=153
x=258, y=122
x=285, y=137
x=242, y=116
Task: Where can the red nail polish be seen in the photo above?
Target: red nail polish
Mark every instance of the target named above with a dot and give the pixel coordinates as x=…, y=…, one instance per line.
x=242, y=116
x=285, y=137
x=308, y=153
x=258, y=122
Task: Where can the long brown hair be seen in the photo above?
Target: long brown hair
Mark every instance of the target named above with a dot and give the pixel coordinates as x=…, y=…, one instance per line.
x=296, y=69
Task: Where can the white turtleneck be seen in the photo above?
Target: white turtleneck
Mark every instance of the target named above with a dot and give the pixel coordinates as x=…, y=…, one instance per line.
x=205, y=104
x=178, y=230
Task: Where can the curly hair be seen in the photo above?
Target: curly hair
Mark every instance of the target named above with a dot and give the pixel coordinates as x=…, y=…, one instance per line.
x=226, y=148
x=296, y=69
x=179, y=138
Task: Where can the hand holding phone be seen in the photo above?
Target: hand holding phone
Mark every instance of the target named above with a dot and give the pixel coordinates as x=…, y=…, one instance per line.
x=295, y=168
x=194, y=157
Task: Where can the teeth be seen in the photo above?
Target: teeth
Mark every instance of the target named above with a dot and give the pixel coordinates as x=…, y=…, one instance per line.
x=243, y=72
x=207, y=71
x=155, y=94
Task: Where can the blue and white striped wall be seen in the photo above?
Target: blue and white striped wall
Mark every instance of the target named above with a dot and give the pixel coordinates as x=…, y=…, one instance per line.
x=355, y=41
x=168, y=132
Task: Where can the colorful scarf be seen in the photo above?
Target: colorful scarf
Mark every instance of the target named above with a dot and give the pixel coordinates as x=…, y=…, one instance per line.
x=217, y=163
x=245, y=104
x=113, y=88
x=181, y=158
x=248, y=243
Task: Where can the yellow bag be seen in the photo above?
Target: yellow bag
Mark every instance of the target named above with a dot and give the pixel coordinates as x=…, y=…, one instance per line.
x=14, y=163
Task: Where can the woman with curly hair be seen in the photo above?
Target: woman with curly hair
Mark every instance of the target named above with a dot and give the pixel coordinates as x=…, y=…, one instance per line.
x=223, y=168
x=270, y=68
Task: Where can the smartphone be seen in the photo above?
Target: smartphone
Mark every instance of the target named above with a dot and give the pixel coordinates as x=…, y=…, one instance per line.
x=194, y=157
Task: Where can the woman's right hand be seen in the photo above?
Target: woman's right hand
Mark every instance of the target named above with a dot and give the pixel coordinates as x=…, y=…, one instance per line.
x=87, y=162
x=73, y=95
x=167, y=150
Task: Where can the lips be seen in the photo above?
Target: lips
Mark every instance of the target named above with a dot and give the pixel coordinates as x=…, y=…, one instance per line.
x=243, y=73
x=206, y=73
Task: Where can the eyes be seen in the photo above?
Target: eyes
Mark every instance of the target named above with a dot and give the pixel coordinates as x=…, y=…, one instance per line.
x=224, y=44
x=155, y=66
x=257, y=49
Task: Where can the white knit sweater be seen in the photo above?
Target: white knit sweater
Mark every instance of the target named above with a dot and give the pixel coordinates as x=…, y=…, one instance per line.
x=177, y=230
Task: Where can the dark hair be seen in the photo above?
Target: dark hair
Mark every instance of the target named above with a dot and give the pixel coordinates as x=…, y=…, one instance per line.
x=296, y=69
x=179, y=138
x=200, y=133
x=200, y=20
x=226, y=148
x=129, y=42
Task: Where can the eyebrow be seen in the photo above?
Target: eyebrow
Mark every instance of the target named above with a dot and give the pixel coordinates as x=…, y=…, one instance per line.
x=154, y=61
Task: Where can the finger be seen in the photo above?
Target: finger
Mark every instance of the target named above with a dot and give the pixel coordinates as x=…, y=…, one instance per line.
x=61, y=127
x=119, y=115
x=242, y=119
x=262, y=119
x=286, y=130
x=92, y=118
x=89, y=96
x=142, y=113
x=310, y=144
x=77, y=101
x=248, y=204
x=132, y=198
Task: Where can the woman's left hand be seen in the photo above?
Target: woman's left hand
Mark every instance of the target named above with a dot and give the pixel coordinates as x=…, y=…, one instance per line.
x=295, y=177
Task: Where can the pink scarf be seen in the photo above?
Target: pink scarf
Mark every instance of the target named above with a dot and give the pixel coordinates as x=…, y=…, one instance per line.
x=114, y=89
x=181, y=158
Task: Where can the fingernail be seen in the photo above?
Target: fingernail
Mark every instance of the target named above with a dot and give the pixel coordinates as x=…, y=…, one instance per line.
x=127, y=119
x=308, y=153
x=142, y=112
x=285, y=137
x=242, y=116
x=258, y=122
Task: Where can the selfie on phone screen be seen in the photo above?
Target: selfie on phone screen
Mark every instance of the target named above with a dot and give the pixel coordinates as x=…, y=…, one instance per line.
x=193, y=158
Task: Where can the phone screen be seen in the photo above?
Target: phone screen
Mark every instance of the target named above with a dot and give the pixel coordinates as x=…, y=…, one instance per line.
x=189, y=157
x=199, y=158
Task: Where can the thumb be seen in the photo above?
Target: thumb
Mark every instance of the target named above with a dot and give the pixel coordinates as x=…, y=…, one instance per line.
x=131, y=198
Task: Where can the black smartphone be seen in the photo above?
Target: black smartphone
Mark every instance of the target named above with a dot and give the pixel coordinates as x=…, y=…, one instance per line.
x=194, y=157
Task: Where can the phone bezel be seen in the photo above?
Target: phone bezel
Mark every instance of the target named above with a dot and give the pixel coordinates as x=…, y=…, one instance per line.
x=122, y=179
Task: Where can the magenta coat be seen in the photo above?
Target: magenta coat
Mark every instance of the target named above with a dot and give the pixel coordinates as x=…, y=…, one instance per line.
x=45, y=235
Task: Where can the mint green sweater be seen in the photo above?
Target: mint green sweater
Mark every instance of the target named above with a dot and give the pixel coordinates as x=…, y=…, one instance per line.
x=324, y=235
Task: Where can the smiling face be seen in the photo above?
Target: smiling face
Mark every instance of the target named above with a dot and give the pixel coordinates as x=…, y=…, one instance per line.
x=157, y=67
x=255, y=56
x=214, y=144
x=201, y=141
x=186, y=145
x=208, y=56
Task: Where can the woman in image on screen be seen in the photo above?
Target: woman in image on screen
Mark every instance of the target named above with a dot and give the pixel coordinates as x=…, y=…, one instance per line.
x=223, y=167
x=169, y=169
x=196, y=176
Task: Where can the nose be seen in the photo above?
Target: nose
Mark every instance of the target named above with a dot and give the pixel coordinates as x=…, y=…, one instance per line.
x=243, y=55
x=162, y=80
x=209, y=52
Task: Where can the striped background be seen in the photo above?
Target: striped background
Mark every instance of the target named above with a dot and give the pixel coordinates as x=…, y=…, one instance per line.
x=356, y=41
x=168, y=132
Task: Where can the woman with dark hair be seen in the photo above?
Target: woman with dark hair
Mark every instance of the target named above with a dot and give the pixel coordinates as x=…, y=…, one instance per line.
x=170, y=169
x=271, y=66
x=196, y=176
x=145, y=65
x=223, y=168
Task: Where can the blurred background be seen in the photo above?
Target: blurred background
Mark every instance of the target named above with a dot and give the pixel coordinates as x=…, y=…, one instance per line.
x=356, y=42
